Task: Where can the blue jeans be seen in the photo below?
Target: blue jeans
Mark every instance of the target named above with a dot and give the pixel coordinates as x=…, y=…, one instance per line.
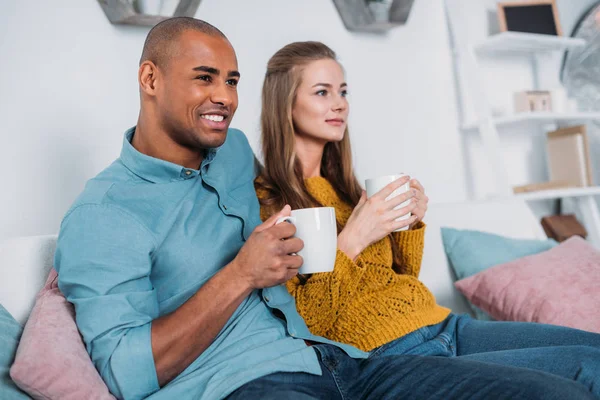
x=432, y=364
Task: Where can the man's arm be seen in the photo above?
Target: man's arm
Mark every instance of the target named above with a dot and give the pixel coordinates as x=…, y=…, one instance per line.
x=180, y=337
x=104, y=263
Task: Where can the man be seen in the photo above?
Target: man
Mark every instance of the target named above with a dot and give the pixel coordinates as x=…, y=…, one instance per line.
x=177, y=284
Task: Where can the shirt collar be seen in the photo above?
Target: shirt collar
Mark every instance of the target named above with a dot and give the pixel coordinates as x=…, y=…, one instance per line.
x=154, y=169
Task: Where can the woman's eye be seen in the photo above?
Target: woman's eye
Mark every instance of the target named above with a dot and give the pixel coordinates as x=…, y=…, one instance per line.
x=344, y=93
x=322, y=93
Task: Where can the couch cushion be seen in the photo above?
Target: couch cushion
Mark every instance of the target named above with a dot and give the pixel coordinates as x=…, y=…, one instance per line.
x=24, y=266
x=10, y=332
x=509, y=217
x=51, y=361
x=470, y=252
x=559, y=286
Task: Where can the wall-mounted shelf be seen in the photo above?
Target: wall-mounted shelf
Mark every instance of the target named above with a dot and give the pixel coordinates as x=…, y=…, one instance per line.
x=357, y=16
x=526, y=43
x=122, y=12
x=560, y=193
x=537, y=117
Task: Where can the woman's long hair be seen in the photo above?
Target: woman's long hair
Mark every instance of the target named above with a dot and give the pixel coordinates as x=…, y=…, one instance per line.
x=281, y=178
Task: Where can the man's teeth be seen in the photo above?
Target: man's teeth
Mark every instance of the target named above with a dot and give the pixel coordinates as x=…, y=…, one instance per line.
x=216, y=118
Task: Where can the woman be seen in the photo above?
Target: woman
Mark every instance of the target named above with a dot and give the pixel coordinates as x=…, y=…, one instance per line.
x=373, y=299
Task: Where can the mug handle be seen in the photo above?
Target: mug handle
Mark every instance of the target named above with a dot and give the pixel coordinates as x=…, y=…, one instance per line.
x=289, y=219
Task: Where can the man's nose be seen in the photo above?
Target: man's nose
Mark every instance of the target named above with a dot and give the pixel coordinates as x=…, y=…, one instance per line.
x=223, y=95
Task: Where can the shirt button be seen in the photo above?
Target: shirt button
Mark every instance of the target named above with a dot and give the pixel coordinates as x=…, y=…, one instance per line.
x=188, y=172
x=224, y=207
x=267, y=299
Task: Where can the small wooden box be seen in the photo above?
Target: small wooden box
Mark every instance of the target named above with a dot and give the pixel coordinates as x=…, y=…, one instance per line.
x=562, y=227
x=533, y=101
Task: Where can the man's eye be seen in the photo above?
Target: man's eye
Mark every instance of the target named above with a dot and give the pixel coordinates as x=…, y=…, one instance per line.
x=232, y=82
x=206, y=78
x=321, y=93
x=344, y=93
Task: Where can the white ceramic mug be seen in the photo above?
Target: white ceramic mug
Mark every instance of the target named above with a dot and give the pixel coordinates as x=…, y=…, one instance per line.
x=318, y=230
x=374, y=185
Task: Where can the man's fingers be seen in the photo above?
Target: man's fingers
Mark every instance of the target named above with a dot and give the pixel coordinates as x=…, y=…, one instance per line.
x=292, y=245
x=293, y=262
x=285, y=212
x=283, y=231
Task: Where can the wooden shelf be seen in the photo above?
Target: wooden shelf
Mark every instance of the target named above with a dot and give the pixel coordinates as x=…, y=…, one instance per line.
x=519, y=43
x=538, y=117
x=560, y=193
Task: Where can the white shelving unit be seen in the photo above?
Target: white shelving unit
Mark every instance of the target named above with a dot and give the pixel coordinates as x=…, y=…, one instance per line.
x=538, y=117
x=466, y=57
x=516, y=42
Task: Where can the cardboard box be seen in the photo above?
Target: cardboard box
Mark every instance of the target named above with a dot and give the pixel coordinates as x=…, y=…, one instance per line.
x=569, y=156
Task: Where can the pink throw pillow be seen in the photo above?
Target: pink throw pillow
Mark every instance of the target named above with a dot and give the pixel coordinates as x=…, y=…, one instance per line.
x=558, y=286
x=51, y=360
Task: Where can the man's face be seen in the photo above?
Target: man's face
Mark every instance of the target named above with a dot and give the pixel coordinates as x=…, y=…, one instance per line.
x=197, y=96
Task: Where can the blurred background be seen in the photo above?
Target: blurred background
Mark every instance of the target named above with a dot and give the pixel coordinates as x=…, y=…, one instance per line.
x=422, y=98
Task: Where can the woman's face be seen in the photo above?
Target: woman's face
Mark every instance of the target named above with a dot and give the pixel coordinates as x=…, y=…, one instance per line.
x=320, y=110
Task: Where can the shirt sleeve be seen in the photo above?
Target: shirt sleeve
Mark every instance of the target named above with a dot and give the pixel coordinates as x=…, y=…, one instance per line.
x=103, y=259
x=409, y=250
x=321, y=298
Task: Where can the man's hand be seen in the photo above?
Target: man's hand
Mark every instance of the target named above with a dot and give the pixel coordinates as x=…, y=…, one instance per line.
x=268, y=257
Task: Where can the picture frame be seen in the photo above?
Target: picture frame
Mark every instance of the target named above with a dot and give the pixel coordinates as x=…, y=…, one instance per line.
x=531, y=16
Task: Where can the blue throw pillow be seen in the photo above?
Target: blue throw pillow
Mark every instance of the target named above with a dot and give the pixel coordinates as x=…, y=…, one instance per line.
x=470, y=252
x=10, y=333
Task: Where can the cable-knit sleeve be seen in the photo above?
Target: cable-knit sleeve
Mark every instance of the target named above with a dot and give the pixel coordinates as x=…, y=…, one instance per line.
x=407, y=260
x=323, y=296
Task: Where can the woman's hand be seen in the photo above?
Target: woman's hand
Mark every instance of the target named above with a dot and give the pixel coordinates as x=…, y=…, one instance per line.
x=373, y=219
x=420, y=200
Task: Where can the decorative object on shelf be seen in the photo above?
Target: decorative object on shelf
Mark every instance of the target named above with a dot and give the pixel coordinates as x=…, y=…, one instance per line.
x=569, y=156
x=133, y=12
x=533, y=100
x=562, y=227
x=536, y=187
x=534, y=16
x=376, y=16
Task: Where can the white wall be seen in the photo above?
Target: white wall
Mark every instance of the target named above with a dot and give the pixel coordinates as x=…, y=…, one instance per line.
x=68, y=91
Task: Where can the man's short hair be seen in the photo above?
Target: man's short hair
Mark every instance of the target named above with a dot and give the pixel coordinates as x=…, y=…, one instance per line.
x=159, y=46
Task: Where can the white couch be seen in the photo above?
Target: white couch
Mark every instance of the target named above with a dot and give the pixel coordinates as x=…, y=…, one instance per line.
x=25, y=261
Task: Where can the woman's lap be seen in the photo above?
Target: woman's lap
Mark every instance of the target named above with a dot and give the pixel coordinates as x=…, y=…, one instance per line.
x=566, y=352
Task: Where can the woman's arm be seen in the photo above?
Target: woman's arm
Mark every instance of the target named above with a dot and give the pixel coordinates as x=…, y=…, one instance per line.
x=408, y=250
x=322, y=297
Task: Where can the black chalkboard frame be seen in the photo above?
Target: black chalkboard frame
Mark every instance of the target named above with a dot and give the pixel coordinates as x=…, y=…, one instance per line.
x=531, y=3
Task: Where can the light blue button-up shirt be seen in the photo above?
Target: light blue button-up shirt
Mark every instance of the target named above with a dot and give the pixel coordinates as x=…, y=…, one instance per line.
x=140, y=240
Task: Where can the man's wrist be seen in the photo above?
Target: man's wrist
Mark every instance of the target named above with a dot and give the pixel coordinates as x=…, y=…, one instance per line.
x=234, y=275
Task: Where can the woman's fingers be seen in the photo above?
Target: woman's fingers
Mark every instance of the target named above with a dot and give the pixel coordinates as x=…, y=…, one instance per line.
x=417, y=185
x=390, y=187
x=401, y=198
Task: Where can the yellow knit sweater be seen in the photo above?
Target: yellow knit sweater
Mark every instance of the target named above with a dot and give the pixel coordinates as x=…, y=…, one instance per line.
x=372, y=300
